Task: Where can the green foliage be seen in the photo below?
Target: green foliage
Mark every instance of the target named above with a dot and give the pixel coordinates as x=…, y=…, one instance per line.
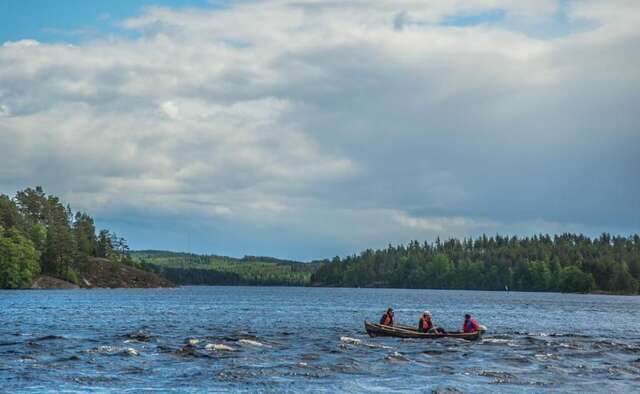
x=119, y=249
x=38, y=235
x=18, y=260
x=567, y=262
x=104, y=248
x=573, y=280
x=60, y=248
x=33, y=204
x=621, y=280
x=72, y=276
x=186, y=268
x=9, y=214
x=40, y=228
x=84, y=233
x=60, y=238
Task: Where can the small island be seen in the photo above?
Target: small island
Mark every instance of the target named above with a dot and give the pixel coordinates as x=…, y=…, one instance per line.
x=46, y=245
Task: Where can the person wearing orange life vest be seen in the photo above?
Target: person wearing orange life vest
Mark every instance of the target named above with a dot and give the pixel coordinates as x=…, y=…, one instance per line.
x=426, y=324
x=470, y=325
x=387, y=318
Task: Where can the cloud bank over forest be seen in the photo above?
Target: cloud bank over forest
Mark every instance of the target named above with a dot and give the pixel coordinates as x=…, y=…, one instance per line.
x=307, y=129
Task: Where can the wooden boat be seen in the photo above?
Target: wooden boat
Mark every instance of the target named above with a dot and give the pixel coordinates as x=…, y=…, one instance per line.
x=400, y=331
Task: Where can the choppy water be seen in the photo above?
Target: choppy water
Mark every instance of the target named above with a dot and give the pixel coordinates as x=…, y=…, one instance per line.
x=311, y=339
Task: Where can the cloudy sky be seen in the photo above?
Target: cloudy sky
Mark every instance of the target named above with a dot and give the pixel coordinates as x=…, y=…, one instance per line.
x=306, y=128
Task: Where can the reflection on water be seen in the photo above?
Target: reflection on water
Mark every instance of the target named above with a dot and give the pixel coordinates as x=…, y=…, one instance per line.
x=293, y=339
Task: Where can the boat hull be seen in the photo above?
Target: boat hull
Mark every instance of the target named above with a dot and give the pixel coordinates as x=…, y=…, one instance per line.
x=379, y=330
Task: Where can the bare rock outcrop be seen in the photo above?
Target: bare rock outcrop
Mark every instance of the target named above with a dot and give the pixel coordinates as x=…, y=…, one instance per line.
x=48, y=282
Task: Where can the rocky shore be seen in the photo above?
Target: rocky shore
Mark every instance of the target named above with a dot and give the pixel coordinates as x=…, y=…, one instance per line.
x=49, y=282
x=104, y=273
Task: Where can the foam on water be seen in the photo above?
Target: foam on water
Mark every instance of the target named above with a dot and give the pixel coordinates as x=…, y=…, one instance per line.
x=219, y=347
x=112, y=350
x=221, y=338
x=250, y=342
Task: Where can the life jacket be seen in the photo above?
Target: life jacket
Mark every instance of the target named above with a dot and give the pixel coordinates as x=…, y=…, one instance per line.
x=386, y=320
x=470, y=325
x=425, y=325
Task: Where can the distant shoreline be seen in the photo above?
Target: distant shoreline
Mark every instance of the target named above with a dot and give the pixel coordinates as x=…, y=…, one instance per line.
x=566, y=263
x=598, y=293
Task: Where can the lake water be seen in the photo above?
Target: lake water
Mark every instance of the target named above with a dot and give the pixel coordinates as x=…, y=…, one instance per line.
x=312, y=339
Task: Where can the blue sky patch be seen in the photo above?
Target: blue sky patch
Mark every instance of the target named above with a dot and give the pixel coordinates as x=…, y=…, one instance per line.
x=74, y=21
x=467, y=19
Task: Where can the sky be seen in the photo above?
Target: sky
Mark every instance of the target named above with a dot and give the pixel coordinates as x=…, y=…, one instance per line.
x=306, y=129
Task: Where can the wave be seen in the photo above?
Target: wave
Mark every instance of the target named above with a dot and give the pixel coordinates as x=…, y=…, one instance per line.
x=49, y=338
x=251, y=342
x=219, y=347
x=353, y=341
x=114, y=350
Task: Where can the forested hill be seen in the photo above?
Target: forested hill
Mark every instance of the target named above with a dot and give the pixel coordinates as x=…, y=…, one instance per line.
x=568, y=263
x=193, y=269
x=39, y=234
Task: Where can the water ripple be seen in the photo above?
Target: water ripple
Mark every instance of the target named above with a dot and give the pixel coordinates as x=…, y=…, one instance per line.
x=314, y=341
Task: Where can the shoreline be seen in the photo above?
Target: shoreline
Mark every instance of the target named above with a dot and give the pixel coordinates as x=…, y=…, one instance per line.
x=598, y=292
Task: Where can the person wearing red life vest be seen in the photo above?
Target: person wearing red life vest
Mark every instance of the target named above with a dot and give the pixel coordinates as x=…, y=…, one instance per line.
x=387, y=318
x=470, y=325
x=425, y=324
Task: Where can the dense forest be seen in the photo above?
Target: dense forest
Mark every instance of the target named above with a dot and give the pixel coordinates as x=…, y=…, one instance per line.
x=39, y=234
x=192, y=269
x=567, y=263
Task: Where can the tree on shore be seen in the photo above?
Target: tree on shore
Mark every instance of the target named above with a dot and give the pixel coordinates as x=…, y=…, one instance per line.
x=574, y=280
x=60, y=247
x=18, y=260
x=84, y=233
x=104, y=246
x=35, y=222
x=566, y=262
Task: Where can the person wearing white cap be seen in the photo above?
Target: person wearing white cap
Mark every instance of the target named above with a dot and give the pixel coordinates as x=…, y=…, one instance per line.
x=425, y=324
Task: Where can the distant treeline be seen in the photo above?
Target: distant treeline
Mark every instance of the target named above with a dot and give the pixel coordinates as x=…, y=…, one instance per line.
x=39, y=234
x=567, y=263
x=192, y=269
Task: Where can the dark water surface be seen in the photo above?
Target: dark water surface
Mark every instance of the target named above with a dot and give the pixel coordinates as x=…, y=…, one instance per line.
x=312, y=339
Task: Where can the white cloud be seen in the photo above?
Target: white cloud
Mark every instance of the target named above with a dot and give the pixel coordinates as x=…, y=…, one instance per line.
x=170, y=109
x=449, y=225
x=21, y=44
x=315, y=116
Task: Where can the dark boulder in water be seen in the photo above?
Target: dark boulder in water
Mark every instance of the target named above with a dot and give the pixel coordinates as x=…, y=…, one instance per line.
x=188, y=351
x=139, y=336
x=49, y=338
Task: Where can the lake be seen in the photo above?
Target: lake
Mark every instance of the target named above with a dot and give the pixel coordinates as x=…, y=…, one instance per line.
x=312, y=339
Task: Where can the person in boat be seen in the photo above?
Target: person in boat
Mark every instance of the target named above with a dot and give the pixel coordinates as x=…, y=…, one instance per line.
x=426, y=324
x=387, y=318
x=470, y=325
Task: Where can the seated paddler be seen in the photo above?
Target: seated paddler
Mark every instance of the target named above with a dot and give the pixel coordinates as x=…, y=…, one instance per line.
x=387, y=318
x=470, y=325
x=425, y=324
